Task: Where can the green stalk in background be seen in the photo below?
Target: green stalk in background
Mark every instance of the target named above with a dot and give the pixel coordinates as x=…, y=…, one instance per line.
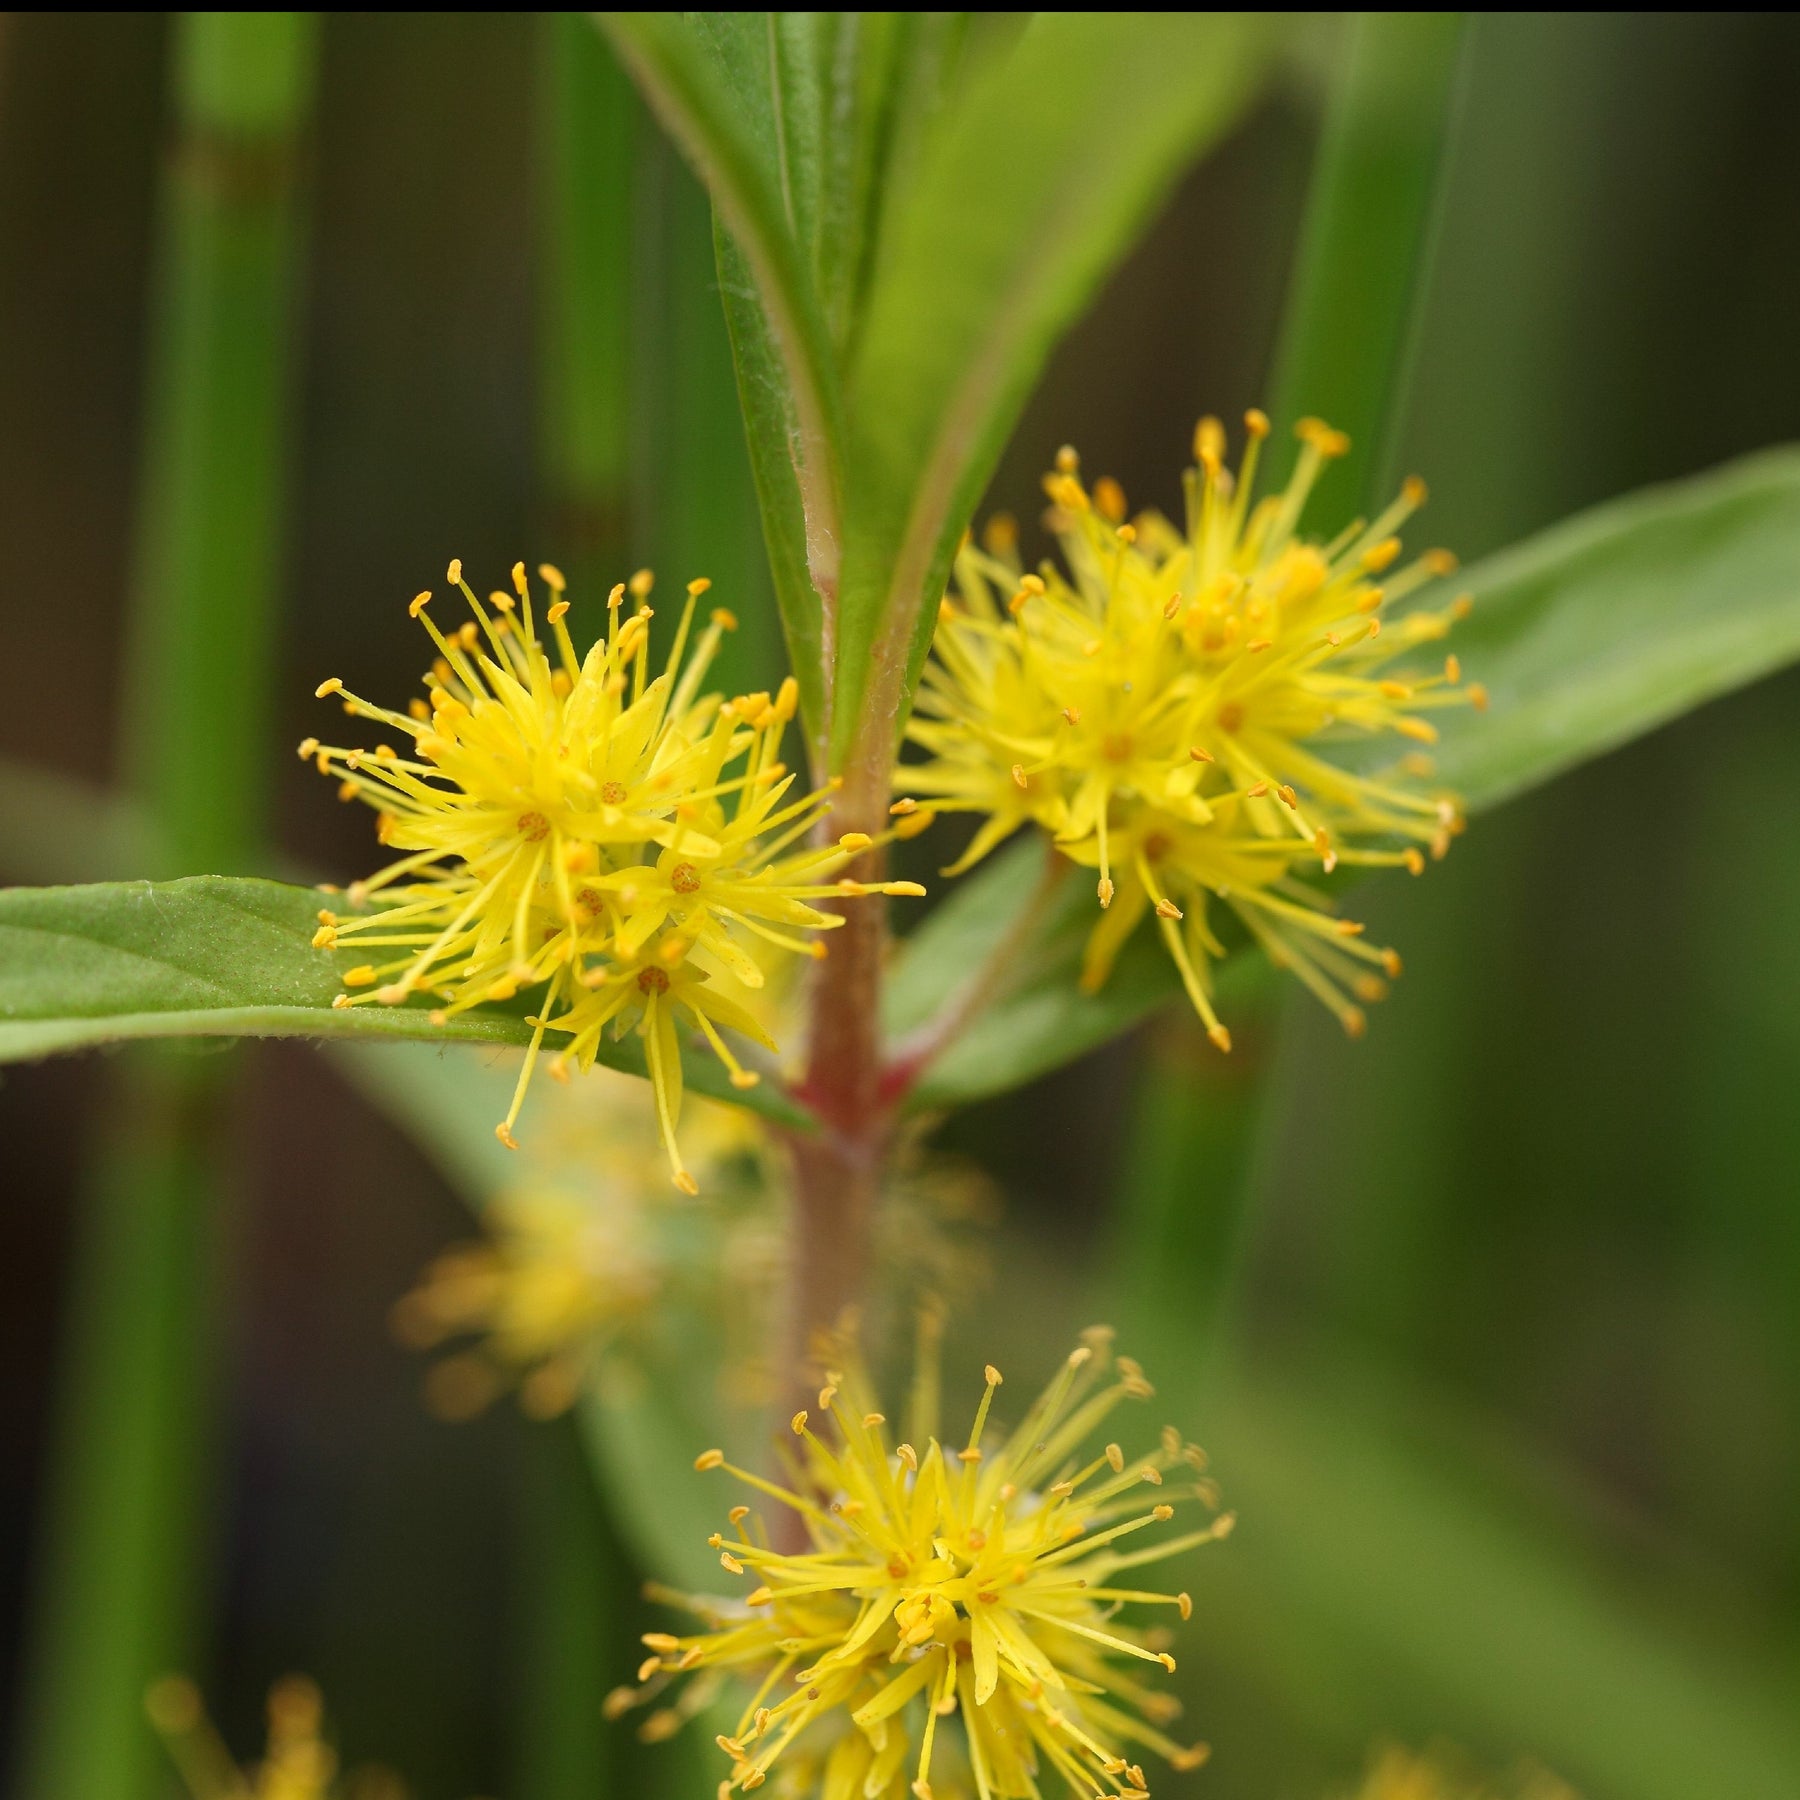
x=124, y=1563
x=573, y=1585
x=590, y=125
x=1343, y=355
x=700, y=507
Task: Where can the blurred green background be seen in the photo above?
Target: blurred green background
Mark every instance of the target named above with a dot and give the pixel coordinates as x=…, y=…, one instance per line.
x=1493, y=1318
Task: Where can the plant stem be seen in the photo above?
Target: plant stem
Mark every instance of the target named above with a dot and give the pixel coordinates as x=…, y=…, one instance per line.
x=838, y=1171
x=124, y=1569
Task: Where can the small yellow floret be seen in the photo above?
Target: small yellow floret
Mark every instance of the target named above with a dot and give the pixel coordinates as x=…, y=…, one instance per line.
x=974, y=1581
x=622, y=843
x=297, y=1764
x=1175, y=713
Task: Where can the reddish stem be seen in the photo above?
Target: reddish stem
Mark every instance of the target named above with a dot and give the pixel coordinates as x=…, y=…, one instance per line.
x=837, y=1169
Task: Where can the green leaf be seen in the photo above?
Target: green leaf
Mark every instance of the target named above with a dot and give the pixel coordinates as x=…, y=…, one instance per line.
x=1622, y=618
x=215, y=957
x=1069, y=141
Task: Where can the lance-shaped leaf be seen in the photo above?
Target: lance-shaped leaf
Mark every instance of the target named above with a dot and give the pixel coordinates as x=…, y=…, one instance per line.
x=1628, y=615
x=217, y=957
x=1070, y=139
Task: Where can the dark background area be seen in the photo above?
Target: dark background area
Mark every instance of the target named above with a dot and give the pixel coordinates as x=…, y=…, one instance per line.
x=1558, y=1186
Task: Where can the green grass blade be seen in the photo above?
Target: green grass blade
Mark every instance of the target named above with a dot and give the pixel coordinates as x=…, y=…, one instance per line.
x=968, y=298
x=125, y=1581
x=122, y=1583
x=586, y=154
x=705, y=518
x=573, y=1629
x=720, y=84
x=1364, y=245
x=210, y=536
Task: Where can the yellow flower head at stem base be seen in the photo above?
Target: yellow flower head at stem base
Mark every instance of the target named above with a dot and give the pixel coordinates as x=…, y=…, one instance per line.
x=622, y=844
x=1202, y=714
x=297, y=1765
x=1396, y=1773
x=971, y=1591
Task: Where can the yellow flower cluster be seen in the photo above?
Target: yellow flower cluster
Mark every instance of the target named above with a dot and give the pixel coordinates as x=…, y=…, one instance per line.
x=297, y=1765
x=578, y=1259
x=1189, y=712
x=567, y=823
x=1400, y=1774
x=587, y=1266
x=967, y=1593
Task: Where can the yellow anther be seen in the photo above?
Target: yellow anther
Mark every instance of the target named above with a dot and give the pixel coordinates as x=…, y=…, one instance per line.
x=797, y=1423
x=1067, y=460
x=418, y=603
x=1105, y=889
x=709, y=1459
x=333, y=686
x=1167, y=909
x=641, y=583
x=855, y=842
x=698, y=586
x=503, y=1132
x=724, y=618
x=1256, y=422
